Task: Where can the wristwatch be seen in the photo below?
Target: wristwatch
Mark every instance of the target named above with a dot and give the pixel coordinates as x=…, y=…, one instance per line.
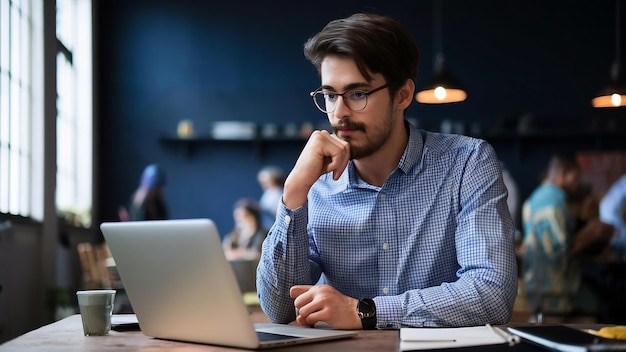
x=366, y=308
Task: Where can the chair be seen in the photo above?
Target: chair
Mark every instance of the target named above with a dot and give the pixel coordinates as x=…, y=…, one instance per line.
x=93, y=261
x=245, y=273
x=100, y=272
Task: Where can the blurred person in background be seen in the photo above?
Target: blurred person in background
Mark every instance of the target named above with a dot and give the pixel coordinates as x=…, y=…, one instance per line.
x=271, y=179
x=246, y=238
x=512, y=201
x=147, y=202
x=553, y=247
x=613, y=211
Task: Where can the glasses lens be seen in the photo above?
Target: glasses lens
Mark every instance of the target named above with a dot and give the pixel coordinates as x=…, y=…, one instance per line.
x=323, y=102
x=357, y=100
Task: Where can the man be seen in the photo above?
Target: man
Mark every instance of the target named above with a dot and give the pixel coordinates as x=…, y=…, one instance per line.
x=271, y=180
x=552, y=247
x=148, y=201
x=409, y=227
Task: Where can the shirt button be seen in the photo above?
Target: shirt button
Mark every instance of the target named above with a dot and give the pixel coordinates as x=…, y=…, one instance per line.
x=385, y=246
x=287, y=219
x=382, y=197
x=385, y=290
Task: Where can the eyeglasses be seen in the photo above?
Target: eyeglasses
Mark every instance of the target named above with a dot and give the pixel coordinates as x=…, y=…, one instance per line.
x=355, y=99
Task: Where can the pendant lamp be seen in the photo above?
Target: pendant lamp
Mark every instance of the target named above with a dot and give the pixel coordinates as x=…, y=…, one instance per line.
x=614, y=95
x=443, y=87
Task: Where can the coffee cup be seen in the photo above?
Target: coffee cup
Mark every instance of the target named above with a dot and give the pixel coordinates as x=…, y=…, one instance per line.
x=96, y=308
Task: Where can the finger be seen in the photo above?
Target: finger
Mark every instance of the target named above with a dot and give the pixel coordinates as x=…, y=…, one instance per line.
x=338, y=167
x=314, y=316
x=297, y=290
x=305, y=310
x=300, y=320
x=340, y=158
x=296, y=323
x=301, y=296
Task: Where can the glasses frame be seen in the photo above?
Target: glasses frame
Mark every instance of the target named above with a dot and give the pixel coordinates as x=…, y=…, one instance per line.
x=367, y=94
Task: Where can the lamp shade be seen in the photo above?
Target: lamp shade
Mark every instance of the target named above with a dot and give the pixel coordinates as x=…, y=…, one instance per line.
x=443, y=87
x=614, y=95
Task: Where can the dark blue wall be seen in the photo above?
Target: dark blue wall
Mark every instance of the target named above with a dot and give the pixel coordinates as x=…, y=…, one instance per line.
x=158, y=62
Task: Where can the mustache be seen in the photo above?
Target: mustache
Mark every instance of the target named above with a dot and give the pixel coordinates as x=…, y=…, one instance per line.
x=348, y=125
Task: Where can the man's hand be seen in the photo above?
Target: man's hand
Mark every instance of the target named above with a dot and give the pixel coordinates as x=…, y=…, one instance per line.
x=322, y=153
x=323, y=303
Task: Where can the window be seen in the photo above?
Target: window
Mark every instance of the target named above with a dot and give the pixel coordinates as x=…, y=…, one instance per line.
x=74, y=113
x=21, y=109
x=18, y=105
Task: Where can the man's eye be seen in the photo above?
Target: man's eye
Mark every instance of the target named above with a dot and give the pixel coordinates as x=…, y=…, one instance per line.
x=330, y=96
x=357, y=95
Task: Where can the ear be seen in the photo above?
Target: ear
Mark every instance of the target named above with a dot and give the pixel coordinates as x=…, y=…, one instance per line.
x=404, y=96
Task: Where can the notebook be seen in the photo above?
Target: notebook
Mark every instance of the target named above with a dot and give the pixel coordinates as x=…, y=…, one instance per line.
x=565, y=338
x=181, y=287
x=415, y=339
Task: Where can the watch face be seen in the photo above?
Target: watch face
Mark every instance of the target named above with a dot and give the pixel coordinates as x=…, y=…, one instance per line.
x=367, y=312
x=367, y=307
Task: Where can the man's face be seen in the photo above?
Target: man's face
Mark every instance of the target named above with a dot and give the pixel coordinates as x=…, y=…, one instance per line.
x=369, y=129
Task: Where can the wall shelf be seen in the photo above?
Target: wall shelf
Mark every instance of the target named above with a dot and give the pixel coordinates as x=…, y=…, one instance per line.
x=190, y=144
x=596, y=140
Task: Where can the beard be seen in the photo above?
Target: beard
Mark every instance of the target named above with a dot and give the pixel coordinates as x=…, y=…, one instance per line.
x=372, y=140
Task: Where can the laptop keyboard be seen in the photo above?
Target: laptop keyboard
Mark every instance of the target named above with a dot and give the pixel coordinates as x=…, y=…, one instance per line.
x=268, y=336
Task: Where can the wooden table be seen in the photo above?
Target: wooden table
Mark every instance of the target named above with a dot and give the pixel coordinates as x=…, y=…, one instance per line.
x=66, y=335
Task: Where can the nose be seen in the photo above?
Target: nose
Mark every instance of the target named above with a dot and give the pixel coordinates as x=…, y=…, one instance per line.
x=341, y=108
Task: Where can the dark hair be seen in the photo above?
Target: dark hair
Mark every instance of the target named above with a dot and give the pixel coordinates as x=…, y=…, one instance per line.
x=564, y=162
x=251, y=206
x=378, y=44
x=275, y=174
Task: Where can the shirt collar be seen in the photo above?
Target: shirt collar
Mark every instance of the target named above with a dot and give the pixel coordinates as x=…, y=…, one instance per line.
x=413, y=151
x=411, y=156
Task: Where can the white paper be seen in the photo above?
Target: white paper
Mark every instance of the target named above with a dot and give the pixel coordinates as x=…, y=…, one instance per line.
x=433, y=338
x=123, y=319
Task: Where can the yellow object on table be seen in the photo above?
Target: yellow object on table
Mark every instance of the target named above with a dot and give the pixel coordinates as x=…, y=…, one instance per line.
x=613, y=332
x=251, y=299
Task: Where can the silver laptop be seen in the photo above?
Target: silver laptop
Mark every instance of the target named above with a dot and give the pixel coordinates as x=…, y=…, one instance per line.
x=181, y=287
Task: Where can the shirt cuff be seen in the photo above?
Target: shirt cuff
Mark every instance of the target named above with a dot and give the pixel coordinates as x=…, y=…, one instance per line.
x=292, y=220
x=389, y=312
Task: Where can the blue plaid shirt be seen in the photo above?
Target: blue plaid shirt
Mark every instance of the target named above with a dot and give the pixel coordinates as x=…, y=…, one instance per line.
x=434, y=246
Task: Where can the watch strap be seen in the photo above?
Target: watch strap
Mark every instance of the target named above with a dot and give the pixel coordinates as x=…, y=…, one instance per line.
x=368, y=323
